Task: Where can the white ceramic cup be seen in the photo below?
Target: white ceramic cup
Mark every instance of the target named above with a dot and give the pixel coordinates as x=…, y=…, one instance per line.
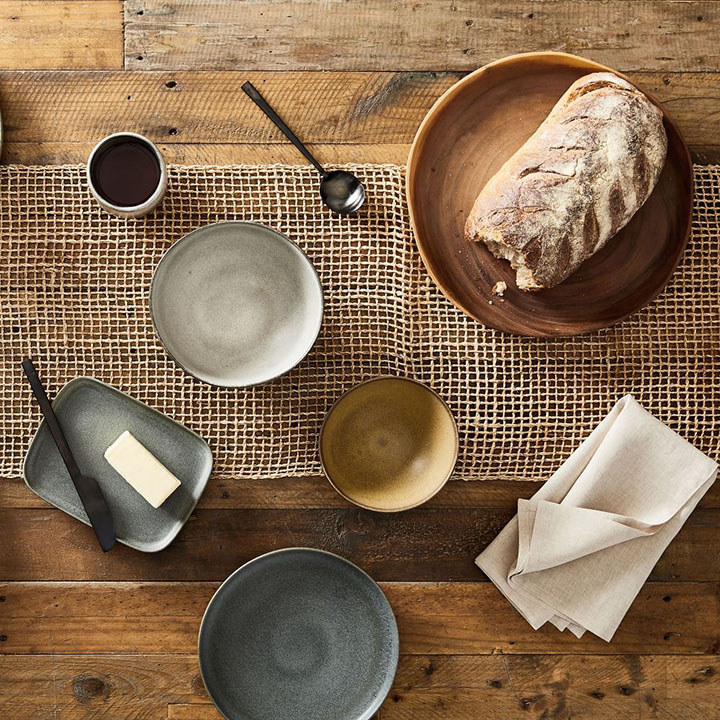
x=129, y=211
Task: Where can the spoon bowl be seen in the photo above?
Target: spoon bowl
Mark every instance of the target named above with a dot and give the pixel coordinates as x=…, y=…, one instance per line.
x=342, y=192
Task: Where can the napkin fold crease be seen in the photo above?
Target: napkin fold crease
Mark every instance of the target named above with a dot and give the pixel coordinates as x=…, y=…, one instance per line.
x=578, y=552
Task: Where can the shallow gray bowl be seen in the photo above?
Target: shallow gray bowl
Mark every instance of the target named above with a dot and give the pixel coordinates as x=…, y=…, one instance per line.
x=236, y=304
x=298, y=634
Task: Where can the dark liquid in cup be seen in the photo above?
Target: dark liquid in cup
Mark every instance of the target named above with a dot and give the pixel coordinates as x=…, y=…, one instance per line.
x=125, y=172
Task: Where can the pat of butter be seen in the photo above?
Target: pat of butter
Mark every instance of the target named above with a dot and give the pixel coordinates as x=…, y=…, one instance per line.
x=141, y=469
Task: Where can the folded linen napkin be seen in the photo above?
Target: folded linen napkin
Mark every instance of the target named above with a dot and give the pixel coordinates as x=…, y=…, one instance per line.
x=578, y=552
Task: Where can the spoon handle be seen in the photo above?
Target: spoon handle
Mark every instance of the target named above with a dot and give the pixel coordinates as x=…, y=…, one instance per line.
x=252, y=92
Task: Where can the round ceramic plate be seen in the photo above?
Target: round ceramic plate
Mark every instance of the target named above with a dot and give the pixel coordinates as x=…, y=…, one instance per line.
x=236, y=304
x=298, y=634
x=465, y=138
x=389, y=444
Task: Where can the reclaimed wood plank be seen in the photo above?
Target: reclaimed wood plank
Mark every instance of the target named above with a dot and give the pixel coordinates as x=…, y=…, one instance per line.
x=554, y=687
x=192, y=712
x=422, y=545
x=200, y=107
x=72, y=153
x=410, y=35
x=127, y=687
x=433, y=618
x=316, y=492
x=196, y=108
x=35, y=34
x=451, y=687
x=204, y=712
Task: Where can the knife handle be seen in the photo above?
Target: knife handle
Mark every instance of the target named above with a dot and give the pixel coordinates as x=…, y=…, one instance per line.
x=51, y=419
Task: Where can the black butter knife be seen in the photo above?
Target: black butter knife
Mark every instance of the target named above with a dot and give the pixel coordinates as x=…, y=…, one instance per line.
x=87, y=488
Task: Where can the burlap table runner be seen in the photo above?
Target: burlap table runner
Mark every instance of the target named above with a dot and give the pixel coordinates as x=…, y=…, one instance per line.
x=75, y=287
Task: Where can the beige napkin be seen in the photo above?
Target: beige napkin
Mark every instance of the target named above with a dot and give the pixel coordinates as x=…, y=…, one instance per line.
x=578, y=552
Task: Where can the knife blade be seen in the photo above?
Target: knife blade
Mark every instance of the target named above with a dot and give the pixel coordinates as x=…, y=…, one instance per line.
x=87, y=488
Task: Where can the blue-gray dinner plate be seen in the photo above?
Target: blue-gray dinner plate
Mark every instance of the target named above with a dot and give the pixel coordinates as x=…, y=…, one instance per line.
x=298, y=634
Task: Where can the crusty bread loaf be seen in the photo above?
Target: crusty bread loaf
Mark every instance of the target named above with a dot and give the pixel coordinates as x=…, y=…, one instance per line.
x=580, y=178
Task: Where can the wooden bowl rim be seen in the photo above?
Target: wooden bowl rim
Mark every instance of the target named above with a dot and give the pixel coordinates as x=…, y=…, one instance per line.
x=425, y=127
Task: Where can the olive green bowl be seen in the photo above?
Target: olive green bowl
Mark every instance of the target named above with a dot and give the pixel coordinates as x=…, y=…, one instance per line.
x=389, y=444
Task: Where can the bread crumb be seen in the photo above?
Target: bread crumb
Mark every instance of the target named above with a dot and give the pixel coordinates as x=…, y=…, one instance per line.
x=499, y=288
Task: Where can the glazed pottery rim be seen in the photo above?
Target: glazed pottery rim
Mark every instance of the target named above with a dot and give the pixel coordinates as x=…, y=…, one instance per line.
x=440, y=486
x=303, y=548
x=159, y=191
x=78, y=379
x=429, y=119
x=280, y=235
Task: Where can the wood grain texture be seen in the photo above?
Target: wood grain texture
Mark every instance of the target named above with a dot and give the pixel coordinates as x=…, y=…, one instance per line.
x=422, y=545
x=192, y=712
x=204, y=109
x=36, y=34
x=433, y=618
x=126, y=651
x=124, y=687
x=410, y=35
x=316, y=492
x=555, y=687
x=72, y=153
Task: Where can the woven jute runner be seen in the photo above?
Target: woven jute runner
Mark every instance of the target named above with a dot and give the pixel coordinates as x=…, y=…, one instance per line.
x=75, y=284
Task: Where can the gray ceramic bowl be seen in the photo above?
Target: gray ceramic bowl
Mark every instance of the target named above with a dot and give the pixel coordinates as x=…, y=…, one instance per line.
x=298, y=634
x=236, y=304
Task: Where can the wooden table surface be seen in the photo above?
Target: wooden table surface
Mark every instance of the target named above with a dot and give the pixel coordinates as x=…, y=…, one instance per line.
x=84, y=635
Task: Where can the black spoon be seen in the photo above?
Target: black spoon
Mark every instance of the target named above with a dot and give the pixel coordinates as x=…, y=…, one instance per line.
x=87, y=488
x=341, y=191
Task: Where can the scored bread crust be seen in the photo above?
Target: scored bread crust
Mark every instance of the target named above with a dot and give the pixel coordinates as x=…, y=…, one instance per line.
x=575, y=182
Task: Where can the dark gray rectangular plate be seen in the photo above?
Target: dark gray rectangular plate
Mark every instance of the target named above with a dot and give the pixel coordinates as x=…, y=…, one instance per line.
x=93, y=415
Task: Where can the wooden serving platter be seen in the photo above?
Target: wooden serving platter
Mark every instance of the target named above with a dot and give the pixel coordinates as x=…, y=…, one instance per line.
x=468, y=134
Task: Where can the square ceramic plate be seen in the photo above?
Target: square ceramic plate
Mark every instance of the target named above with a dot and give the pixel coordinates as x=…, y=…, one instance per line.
x=92, y=416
